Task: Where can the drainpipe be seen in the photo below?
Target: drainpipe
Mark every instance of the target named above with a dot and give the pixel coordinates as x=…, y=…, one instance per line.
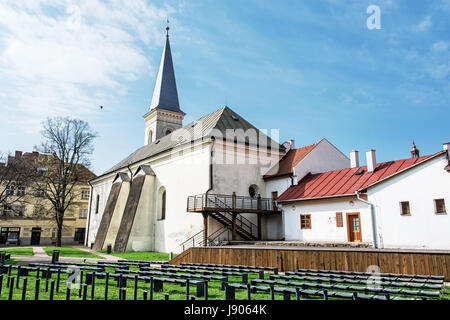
x=372, y=214
x=213, y=140
x=86, y=240
x=211, y=150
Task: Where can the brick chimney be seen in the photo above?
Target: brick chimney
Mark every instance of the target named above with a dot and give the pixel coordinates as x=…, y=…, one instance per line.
x=18, y=154
x=371, y=160
x=354, y=159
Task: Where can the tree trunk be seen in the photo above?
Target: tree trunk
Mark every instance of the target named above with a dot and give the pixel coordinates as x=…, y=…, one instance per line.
x=59, y=223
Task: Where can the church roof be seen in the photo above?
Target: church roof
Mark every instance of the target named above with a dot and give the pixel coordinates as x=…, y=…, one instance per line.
x=213, y=124
x=165, y=95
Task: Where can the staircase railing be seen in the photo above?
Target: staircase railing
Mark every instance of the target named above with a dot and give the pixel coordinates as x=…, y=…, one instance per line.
x=241, y=221
x=198, y=240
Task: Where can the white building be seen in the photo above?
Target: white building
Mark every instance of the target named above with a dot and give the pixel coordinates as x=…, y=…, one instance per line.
x=396, y=204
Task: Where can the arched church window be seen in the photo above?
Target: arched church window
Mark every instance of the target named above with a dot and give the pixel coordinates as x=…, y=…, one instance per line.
x=97, y=203
x=150, y=136
x=162, y=204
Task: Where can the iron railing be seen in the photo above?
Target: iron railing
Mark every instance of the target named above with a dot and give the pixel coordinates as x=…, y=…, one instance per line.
x=217, y=201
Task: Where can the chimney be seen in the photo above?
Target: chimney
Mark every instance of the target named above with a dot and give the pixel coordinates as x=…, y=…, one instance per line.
x=446, y=147
x=18, y=154
x=354, y=159
x=371, y=160
x=292, y=143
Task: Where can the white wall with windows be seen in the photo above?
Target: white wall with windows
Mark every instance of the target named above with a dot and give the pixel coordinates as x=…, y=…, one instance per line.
x=420, y=187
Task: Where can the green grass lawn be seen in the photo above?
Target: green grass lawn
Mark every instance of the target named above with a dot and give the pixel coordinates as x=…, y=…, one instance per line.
x=147, y=256
x=71, y=252
x=18, y=251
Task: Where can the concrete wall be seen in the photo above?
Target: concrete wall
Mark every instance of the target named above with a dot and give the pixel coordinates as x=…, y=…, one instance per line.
x=116, y=218
x=142, y=235
x=237, y=168
x=323, y=219
x=420, y=186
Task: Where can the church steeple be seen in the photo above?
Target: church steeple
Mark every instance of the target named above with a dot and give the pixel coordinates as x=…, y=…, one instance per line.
x=165, y=114
x=165, y=95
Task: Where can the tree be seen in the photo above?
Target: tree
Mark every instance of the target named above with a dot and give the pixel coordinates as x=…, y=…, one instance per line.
x=68, y=145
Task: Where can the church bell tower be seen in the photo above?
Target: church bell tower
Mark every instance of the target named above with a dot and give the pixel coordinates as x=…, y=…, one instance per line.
x=165, y=114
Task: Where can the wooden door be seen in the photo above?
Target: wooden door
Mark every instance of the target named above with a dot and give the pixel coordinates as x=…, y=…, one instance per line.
x=354, y=227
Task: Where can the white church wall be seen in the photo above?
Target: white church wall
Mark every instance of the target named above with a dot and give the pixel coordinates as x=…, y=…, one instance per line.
x=324, y=157
x=182, y=176
x=101, y=188
x=423, y=228
x=323, y=220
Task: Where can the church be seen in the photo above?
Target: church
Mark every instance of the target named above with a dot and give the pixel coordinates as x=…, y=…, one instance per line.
x=220, y=179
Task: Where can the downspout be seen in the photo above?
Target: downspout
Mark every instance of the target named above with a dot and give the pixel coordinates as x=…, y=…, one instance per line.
x=211, y=185
x=211, y=150
x=86, y=240
x=374, y=221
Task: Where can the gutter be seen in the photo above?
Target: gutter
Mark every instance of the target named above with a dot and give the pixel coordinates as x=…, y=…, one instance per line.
x=374, y=221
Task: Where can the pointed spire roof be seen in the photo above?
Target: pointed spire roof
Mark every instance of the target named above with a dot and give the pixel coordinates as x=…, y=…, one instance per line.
x=165, y=95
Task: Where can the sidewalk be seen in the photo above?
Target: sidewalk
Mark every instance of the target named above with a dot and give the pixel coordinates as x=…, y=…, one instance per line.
x=41, y=257
x=103, y=255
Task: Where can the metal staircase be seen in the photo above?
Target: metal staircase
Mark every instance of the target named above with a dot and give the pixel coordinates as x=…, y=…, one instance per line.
x=225, y=209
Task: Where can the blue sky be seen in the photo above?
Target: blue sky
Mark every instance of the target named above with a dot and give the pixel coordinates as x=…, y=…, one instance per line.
x=309, y=68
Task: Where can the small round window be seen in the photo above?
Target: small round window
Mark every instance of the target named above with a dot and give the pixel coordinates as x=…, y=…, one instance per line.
x=253, y=190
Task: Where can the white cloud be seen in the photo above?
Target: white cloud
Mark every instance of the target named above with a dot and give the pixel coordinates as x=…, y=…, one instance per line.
x=440, y=46
x=57, y=56
x=423, y=25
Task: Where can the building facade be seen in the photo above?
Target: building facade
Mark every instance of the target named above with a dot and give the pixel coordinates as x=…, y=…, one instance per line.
x=27, y=217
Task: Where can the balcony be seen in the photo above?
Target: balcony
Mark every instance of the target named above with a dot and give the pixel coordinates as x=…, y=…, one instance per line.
x=230, y=203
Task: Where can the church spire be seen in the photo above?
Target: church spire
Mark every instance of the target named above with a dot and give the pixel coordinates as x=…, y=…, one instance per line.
x=165, y=95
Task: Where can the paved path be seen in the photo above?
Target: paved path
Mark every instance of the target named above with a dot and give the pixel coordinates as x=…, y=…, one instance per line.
x=103, y=255
x=41, y=257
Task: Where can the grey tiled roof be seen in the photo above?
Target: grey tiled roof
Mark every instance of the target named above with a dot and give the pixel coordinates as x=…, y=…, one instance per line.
x=210, y=125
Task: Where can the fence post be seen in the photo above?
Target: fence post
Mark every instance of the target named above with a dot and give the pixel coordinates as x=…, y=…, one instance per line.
x=36, y=289
x=11, y=288
x=24, y=288
x=233, y=201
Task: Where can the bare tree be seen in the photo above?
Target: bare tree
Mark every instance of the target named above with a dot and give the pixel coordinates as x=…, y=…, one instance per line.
x=67, y=147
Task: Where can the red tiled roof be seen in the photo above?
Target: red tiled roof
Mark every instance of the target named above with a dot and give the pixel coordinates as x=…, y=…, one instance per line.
x=289, y=161
x=345, y=182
